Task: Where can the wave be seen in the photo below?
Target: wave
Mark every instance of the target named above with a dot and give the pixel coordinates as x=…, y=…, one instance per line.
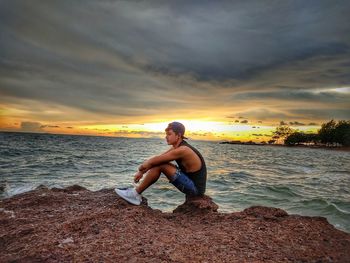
x=282, y=190
x=7, y=191
x=241, y=175
x=237, y=176
x=326, y=208
x=334, y=206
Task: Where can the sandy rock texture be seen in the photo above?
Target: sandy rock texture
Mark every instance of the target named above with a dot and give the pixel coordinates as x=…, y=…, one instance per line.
x=77, y=225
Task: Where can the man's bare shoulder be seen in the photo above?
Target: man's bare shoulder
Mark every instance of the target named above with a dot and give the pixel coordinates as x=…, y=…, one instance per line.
x=179, y=150
x=185, y=149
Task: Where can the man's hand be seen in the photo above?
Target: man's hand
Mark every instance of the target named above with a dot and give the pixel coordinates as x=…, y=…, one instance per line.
x=138, y=176
x=145, y=167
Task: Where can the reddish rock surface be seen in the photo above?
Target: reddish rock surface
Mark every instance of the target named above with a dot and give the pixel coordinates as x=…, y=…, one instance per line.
x=77, y=225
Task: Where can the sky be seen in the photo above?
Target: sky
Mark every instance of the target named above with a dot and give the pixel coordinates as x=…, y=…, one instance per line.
x=226, y=69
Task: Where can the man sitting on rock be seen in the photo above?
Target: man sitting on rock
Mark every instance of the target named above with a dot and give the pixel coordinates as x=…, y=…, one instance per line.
x=189, y=176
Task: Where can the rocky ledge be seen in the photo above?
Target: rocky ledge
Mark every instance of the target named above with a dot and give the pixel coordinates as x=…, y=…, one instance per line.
x=77, y=225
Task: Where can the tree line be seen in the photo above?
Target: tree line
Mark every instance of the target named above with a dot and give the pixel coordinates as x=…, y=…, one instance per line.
x=331, y=133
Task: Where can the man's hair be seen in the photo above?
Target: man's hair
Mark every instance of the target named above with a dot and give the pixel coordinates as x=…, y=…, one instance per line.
x=178, y=128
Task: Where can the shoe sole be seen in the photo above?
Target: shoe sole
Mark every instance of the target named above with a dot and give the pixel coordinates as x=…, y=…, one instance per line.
x=127, y=199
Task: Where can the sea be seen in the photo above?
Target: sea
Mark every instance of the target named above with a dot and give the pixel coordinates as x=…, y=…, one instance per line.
x=304, y=181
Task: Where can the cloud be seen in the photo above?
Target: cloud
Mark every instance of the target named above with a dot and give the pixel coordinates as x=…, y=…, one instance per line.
x=49, y=126
x=132, y=59
x=339, y=114
x=296, y=123
x=311, y=96
x=265, y=114
x=31, y=126
x=244, y=121
x=102, y=130
x=141, y=133
x=202, y=134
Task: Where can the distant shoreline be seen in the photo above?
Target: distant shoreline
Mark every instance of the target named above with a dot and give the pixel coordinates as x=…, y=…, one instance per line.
x=333, y=148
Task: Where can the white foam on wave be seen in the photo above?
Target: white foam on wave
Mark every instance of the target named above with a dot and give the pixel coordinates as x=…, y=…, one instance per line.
x=338, y=208
x=55, y=186
x=11, y=191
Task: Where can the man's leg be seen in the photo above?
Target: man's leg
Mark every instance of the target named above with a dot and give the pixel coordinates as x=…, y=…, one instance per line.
x=153, y=175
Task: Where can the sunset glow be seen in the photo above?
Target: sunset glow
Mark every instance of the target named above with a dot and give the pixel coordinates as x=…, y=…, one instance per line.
x=198, y=130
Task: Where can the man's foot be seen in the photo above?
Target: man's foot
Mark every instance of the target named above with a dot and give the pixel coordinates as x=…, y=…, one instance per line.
x=130, y=195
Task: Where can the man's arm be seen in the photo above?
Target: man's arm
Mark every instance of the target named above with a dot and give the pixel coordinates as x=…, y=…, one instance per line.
x=166, y=157
x=170, y=149
x=140, y=173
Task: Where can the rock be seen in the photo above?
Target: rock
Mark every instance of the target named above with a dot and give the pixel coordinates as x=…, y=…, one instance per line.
x=42, y=187
x=74, y=188
x=202, y=204
x=10, y=213
x=265, y=212
x=67, y=240
x=3, y=186
x=70, y=189
x=57, y=226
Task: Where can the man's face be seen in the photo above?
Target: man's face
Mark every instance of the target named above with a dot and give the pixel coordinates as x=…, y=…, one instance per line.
x=171, y=137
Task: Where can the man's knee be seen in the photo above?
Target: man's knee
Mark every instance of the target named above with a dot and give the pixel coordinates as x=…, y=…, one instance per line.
x=156, y=168
x=166, y=166
x=168, y=169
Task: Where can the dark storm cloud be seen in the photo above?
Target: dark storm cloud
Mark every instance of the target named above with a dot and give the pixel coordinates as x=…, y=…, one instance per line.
x=265, y=114
x=298, y=95
x=326, y=113
x=135, y=58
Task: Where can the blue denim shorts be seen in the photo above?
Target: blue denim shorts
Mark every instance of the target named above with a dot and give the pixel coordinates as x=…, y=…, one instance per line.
x=183, y=183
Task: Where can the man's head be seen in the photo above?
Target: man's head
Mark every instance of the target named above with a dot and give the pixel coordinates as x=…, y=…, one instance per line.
x=178, y=128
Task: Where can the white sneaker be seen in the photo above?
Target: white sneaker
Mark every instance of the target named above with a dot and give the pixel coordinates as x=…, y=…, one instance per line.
x=130, y=195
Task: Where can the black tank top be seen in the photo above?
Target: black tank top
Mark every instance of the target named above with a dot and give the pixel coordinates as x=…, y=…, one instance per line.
x=199, y=177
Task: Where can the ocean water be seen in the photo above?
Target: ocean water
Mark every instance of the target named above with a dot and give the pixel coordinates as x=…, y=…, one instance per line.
x=313, y=182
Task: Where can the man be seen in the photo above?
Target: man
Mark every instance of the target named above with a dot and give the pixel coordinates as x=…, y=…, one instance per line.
x=189, y=176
